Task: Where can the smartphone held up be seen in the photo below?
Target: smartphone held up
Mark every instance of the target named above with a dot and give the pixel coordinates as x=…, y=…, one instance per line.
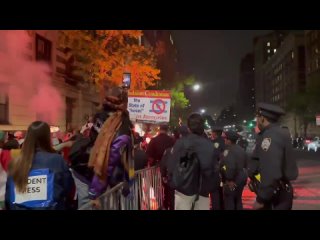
x=126, y=81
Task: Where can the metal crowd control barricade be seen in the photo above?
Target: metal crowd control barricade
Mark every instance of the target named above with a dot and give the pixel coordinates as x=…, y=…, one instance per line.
x=149, y=186
x=146, y=193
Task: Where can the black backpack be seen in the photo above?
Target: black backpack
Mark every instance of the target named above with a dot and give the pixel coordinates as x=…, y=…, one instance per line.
x=185, y=174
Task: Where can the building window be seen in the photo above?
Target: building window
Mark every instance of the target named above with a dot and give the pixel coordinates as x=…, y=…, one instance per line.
x=268, y=50
x=268, y=44
x=43, y=49
x=292, y=55
x=274, y=50
x=4, y=107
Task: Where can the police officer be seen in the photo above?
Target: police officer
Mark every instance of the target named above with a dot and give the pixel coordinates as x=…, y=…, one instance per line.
x=217, y=139
x=273, y=165
x=233, y=172
x=219, y=147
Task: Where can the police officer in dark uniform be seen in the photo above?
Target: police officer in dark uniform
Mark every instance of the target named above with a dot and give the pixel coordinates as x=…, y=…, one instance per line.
x=233, y=172
x=217, y=139
x=273, y=165
x=219, y=147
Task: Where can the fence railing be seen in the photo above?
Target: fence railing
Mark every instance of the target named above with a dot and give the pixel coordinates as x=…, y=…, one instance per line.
x=146, y=193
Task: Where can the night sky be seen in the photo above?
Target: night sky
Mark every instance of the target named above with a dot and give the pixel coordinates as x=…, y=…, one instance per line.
x=214, y=57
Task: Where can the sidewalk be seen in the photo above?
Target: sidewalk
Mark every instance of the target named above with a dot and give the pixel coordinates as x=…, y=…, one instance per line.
x=307, y=188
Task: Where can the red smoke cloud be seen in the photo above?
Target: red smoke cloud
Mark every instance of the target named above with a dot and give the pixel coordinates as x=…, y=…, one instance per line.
x=30, y=82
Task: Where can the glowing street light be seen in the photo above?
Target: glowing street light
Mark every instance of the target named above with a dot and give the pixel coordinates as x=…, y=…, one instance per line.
x=196, y=87
x=202, y=110
x=244, y=121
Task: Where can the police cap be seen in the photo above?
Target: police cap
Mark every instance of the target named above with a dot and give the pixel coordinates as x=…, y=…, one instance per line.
x=232, y=135
x=270, y=111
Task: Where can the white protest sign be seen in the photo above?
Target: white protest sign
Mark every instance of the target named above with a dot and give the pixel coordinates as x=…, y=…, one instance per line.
x=36, y=190
x=149, y=106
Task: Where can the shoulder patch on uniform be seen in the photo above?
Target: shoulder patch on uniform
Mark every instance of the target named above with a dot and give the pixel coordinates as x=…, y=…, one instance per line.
x=266, y=144
x=225, y=153
x=216, y=145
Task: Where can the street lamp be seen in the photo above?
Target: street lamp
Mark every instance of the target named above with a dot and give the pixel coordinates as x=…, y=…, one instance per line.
x=244, y=121
x=202, y=110
x=196, y=87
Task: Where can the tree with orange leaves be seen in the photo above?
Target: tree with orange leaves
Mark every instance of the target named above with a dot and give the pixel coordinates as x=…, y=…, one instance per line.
x=103, y=56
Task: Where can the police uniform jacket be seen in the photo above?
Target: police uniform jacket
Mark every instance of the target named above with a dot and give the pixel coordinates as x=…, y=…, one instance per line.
x=273, y=159
x=233, y=164
x=219, y=144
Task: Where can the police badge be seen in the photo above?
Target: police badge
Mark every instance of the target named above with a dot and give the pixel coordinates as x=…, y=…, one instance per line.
x=266, y=144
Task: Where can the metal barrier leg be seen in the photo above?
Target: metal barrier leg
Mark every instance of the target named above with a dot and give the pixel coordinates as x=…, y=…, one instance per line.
x=146, y=193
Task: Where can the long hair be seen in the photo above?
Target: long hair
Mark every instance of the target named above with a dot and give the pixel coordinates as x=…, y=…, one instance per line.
x=37, y=138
